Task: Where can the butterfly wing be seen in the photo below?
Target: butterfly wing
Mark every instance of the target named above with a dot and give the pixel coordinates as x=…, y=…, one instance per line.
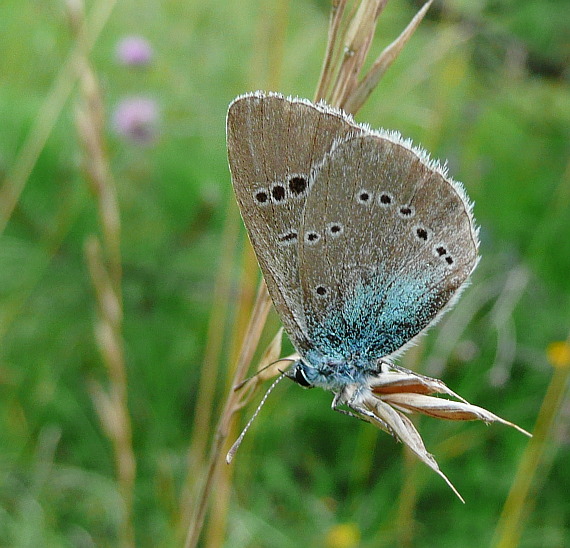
x=386, y=242
x=273, y=145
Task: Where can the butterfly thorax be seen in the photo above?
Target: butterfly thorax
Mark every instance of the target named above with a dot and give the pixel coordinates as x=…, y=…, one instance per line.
x=332, y=374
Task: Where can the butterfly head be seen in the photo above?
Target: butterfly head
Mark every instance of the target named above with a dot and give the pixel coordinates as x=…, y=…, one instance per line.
x=298, y=374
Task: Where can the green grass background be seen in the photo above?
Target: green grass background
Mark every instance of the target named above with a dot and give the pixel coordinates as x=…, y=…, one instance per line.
x=482, y=84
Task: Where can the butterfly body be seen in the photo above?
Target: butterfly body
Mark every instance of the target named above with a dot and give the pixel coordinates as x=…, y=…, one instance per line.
x=330, y=373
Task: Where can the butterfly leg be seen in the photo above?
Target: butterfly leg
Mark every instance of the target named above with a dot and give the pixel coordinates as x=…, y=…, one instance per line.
x=338, y=400
x=364, y=412
x=357, y=411
x=373, y=419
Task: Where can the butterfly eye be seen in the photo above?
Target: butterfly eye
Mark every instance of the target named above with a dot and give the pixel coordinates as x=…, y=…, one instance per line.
x=300, y=378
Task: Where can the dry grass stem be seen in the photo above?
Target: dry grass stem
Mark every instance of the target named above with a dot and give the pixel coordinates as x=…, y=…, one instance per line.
x=48, y=114
x=112, y=406
x=356, y=44
x=210, y=370
x=104, y=262
x=365, y=87
x=247, y=294
x=249, y=345
x=337, y=12
x=214, y=341
x=348, y=46
x=520, y=500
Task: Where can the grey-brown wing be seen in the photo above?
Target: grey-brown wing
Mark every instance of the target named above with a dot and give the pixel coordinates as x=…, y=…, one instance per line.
x=387, y=240
x=274, y=144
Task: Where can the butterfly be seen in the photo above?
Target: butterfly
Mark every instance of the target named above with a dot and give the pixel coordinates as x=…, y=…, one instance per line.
x=364, y=242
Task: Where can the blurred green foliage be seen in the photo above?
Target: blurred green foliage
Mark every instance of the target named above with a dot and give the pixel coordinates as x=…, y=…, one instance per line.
x=483, y=84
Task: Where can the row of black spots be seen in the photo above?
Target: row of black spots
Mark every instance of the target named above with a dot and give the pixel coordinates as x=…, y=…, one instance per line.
x=384, y=199
x=334, y=229
x=295, y=187
x=366, y=197
x=441, y=252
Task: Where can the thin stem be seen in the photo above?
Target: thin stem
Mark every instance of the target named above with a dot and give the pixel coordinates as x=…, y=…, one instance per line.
x=357, y=42
x=105, y=268
x=517, y=505
x=260, y=310
x=337, y=11
x=112, y=406
x=220, y=500
x=48, y=114
x=214, y=342
x=383, y=62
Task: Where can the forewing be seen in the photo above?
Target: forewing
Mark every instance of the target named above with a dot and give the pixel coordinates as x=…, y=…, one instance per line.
x=273, y=145
x=387, y=240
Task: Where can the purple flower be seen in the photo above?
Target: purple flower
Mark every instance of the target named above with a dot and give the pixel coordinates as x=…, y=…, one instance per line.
x=134, y=51
x=136, y=119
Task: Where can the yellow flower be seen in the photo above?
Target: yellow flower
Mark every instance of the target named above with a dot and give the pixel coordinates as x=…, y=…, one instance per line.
x=343, y=535
x=559, y=354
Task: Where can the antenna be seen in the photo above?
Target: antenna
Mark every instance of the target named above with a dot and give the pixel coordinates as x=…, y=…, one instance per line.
x=237, y=443
x=243, y=383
